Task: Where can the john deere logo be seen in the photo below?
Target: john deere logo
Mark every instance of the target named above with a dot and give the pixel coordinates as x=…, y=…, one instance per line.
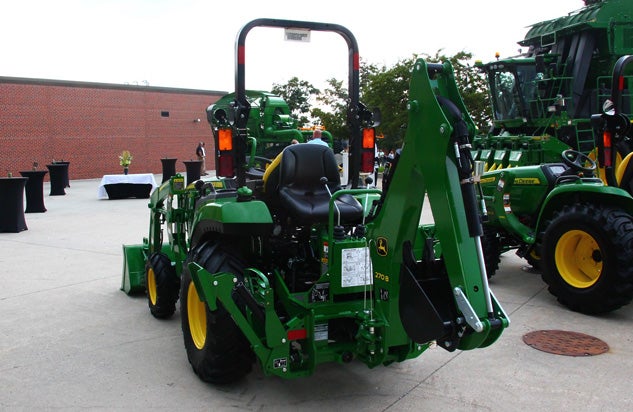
x=381, y=246
x=527, y=181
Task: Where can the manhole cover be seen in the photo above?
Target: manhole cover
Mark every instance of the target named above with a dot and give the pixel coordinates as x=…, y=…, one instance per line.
x=561, y=342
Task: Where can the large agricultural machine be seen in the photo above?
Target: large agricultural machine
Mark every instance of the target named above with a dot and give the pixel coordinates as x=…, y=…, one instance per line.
x=292, y=270
x=575, y=227
x=543, y=100
x=557, y=184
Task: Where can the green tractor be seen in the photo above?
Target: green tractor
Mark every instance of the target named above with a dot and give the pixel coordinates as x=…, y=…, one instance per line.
x=270, y=123
x=566, y=223
x=574, y=226
x=291, y=270
x=543, y=100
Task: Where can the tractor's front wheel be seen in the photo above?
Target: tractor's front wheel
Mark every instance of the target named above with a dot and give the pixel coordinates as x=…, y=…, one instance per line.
x=217, y=350
x=162, y=286
x=586, y=258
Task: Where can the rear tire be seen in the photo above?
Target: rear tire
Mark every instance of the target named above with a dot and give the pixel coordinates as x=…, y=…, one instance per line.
x=162, y=286
x=216, y=348
x=586, y=258
x=491, y=247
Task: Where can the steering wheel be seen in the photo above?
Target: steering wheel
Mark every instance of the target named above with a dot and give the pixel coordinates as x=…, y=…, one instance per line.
x=261, y=163
x=576, y=160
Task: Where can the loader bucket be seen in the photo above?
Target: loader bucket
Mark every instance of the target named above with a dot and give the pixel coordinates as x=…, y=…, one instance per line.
x=133, y=269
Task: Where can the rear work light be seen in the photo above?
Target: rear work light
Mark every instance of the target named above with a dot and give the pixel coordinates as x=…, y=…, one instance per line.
x=369, y=138
x=368, y=152
x=224, y=159
x=606, y=142
x=225, y=139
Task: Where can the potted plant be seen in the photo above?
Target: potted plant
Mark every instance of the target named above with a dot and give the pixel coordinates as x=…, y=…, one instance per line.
x=125, y=158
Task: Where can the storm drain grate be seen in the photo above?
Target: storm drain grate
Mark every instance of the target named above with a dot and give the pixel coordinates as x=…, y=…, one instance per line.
x=561, y=342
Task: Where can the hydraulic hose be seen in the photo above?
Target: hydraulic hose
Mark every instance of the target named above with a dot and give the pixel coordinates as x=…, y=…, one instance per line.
x=465, y=167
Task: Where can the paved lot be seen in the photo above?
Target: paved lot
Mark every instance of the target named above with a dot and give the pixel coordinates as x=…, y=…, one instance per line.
x=71, y=340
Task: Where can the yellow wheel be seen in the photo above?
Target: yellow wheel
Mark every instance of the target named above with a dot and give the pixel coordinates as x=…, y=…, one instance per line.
x=216, y=348
x=151, y=286
x=534, y=259
x=578, y=258
x=162, y=286
x=197, y=317
x=586, y=252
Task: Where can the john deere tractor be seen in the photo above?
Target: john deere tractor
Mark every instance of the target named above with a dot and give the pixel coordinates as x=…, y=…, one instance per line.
x=269, y=122
x=291, y=270
x=567, y=223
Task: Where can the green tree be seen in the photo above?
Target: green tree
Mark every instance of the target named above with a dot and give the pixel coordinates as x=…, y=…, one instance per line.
x=385, y=88
x=332, y=110
x=472, y=86
x=298, y=94
x=388, y=89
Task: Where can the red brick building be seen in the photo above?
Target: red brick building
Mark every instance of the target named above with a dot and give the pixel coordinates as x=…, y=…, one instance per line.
x=90, y=124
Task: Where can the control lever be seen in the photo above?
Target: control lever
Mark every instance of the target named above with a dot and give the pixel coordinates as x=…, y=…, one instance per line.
x=324, y=181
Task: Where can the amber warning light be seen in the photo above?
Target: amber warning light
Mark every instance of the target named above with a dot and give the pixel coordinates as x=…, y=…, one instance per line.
x=224, y=166
x=225, y=139
x=368, y=153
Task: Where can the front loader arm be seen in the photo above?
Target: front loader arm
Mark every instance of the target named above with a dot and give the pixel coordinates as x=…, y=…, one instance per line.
x=163, y=212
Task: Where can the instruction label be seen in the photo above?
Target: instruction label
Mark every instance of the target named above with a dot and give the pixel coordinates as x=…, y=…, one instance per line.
x=356, y=269
x=321, y=331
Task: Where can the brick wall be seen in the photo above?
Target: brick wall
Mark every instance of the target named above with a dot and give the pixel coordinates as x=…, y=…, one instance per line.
x=90, y=124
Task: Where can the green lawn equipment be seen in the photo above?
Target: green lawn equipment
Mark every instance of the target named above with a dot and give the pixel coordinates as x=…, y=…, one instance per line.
x=292, y=270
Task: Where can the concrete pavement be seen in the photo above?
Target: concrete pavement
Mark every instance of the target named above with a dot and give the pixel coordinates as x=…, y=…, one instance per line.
x=71, y=340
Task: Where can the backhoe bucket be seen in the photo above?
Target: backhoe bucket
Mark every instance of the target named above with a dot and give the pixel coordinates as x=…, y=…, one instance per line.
x=133, y=269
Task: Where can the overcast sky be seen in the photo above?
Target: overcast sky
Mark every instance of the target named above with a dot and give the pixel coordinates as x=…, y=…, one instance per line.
x=191, y=43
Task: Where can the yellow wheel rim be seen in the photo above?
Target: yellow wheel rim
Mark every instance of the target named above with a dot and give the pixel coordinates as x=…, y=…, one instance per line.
x=578, y=259
x=151, y=286
x=535, y=256
x=197, y=317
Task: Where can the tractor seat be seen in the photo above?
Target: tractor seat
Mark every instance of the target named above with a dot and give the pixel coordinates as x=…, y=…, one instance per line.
x=301, y=193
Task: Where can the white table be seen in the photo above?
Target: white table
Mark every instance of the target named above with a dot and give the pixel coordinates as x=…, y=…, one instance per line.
x=129, y=179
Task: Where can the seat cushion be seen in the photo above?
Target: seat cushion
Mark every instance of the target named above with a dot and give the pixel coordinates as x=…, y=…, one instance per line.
x=313, y=207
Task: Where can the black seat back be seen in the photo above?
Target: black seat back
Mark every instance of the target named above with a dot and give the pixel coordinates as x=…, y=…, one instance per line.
x=301, y=191
x=303, y=166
